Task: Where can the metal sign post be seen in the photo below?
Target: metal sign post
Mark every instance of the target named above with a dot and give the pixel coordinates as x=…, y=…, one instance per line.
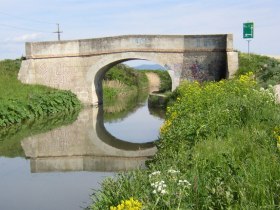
x=248, y=33
x=248, y=46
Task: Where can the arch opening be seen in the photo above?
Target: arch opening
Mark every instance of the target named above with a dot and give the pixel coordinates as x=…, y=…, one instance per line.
x=129, y=118
x=100, y=72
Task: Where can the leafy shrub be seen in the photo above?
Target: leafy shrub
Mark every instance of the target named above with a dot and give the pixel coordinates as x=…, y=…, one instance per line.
x=19, y=102
x=122, y=81
x=266, y=69
x=126, y=75
x=15, y=111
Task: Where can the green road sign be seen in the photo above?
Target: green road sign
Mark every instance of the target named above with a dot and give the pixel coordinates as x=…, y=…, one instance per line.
x=248, y=30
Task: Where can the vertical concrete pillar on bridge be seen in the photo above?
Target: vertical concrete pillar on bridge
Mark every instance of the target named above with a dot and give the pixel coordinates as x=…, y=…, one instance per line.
x=79, y=65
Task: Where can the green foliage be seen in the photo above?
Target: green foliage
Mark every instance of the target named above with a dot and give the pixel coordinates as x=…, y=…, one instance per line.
x=122, y=81
x=165, y=81
x=126, y=75
x=157, y=100
x=14, y=111
x=19, y=102
x=109, y=93
x=266, y=69
x=220, y=138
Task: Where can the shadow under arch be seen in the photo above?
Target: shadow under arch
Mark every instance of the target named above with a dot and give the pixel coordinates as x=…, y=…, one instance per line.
x=97, y=71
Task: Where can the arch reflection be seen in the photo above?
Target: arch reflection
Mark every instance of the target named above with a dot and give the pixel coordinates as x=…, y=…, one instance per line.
x=85, y=145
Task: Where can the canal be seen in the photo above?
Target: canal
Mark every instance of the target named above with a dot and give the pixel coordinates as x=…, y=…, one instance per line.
x=57, y=163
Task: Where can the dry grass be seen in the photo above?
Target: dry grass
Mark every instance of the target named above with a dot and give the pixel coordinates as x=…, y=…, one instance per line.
x=114, y=84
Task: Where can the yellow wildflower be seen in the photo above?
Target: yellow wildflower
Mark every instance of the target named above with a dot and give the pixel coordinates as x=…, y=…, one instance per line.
x=130, y=204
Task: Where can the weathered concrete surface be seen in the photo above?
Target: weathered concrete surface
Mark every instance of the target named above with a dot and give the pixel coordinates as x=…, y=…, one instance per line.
x=277, y=92
x=84, y=145
x=80, y=65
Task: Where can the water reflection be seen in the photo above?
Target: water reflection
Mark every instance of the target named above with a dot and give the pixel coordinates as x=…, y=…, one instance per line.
x=79, y=144
x=11, y=137
x=84, y=145
x=139, y=126
x=121, y=107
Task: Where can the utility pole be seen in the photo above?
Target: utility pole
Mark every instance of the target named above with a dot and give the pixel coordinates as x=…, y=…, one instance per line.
x=58, y=32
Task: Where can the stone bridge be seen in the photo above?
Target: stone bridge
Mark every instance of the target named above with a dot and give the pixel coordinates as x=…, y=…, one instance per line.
x=79, y=65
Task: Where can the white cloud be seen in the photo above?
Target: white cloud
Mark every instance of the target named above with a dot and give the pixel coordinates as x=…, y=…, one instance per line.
x=24, y=38
x=88, y=19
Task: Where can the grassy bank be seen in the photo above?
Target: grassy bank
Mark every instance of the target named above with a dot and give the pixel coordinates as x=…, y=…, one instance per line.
x=121, y=81
x=218, y=149
x=265, y=69
x=20, y=102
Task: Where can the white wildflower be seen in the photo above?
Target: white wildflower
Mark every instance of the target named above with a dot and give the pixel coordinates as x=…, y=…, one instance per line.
x=163, y=192
x=159, y=187
x=154, y=173
x=173, y=171
x=184, y=182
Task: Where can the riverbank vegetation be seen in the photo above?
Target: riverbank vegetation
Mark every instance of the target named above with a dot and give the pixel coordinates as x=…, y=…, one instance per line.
x=219, y=148
x=159, y=99
x=20, y=102
x=265, y=69
x=121, y=81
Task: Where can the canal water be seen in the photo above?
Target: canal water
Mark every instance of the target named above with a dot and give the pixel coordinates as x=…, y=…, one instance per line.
x=59, y=162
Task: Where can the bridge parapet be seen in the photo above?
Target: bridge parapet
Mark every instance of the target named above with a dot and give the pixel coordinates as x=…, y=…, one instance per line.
x=130, y=43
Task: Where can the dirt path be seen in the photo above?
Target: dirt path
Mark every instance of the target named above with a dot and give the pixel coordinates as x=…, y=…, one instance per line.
x=154, y=81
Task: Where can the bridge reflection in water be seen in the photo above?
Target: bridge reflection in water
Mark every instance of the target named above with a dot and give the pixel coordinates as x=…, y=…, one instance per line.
x=84, y=145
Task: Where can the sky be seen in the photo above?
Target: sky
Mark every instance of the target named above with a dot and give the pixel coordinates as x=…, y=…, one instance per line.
x=35, y=20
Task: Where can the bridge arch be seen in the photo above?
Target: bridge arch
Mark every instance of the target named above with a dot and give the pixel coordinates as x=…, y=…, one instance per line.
x=96, y=72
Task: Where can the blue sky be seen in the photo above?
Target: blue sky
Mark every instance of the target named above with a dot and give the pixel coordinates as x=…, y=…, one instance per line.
x=35, y=20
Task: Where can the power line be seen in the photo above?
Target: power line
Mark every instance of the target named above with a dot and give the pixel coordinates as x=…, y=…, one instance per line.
x=27, y=19
x=23, y=28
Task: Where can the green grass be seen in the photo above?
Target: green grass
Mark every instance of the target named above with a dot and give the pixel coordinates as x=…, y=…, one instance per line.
x=19, y=102
x=11, y=87
x=122, y=81
x=266, y=69
x=127, y=76
x=221, y=139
